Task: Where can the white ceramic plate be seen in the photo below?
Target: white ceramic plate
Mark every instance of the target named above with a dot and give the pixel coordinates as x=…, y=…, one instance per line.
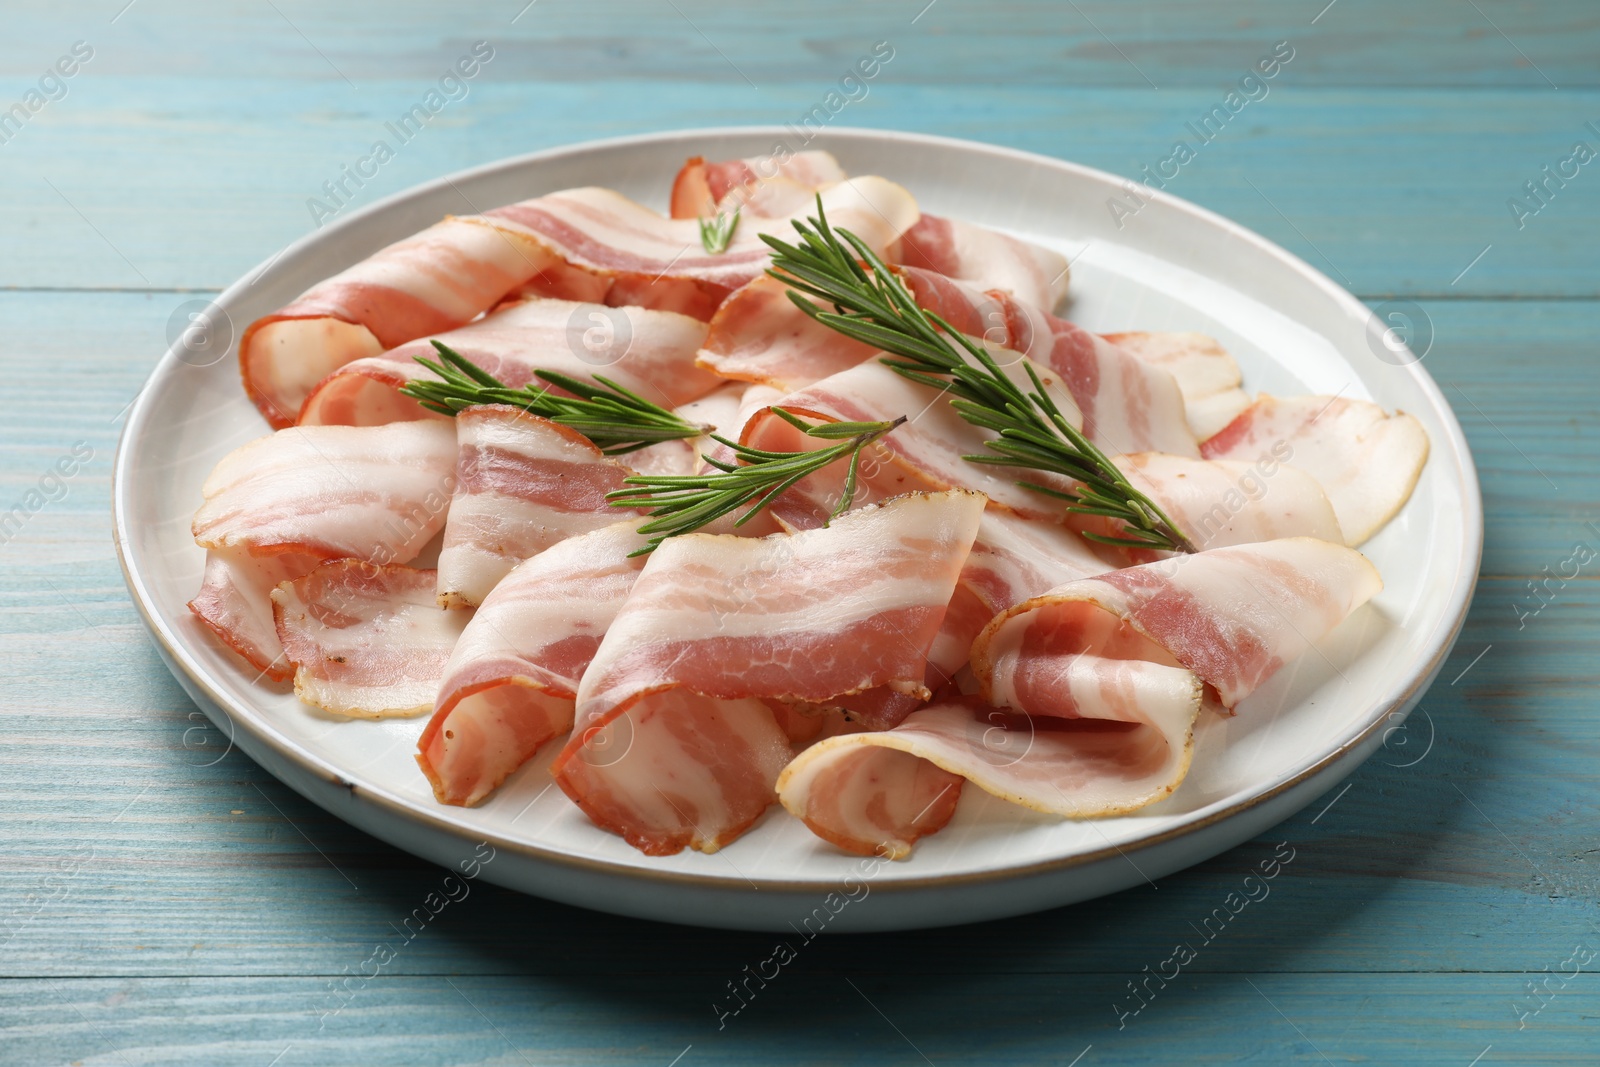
x=1173, y=266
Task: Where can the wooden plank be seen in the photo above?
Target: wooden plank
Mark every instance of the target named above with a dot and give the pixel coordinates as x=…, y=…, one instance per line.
x=873, y=1015
x=219, y=870
x=197, y=202
x=1034, y=44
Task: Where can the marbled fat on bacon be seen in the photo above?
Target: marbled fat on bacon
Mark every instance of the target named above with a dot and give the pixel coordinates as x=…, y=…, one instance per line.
x=1127, y=404
x=522, y=484
x=932, y=444
x=648, y=352
x=376, y=493
x=638, y=257
x=234, y=603
x=366, y=641
x=437, y=280
x=1367, y=461
x=804, y=617
x=1218, y=503
x=1233, y=616
x=985, y=259
x=759, y=335
x=512, y=679
x=760, y=185
x=1206, y=374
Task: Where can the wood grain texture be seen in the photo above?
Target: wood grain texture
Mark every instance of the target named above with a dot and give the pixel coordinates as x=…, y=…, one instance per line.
x=159, y=904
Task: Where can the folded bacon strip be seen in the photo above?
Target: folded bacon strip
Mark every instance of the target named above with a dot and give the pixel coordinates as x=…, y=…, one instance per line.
x=930, y=448
x=511, y=681
x=760, y=185
x=629, y=255
x=956, y=249
x=1127, y=404
x=233, y=603
x=759, y=335
x=374, y=492
x=367, y=641
x=1206, y=374
x=438, y=280
x=649, y=352
x=522, y=484
x=1219, y=502
x=1367, y=461
x=717, y=624
x=985, y=259
x=1093, y=688
x=278, y=505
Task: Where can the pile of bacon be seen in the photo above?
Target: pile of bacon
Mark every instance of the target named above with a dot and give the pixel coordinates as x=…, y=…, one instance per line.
x=950, y=627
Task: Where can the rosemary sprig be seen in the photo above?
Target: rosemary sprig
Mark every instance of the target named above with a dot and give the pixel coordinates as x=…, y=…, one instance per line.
x=682, y=503
x=617, y=420
x=715, y=233
x=872, y=305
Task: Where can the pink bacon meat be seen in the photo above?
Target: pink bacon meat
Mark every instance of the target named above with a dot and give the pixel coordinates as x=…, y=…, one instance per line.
x=522, y=484
x=648, y=352
x=366, y=641
x=438, y=280
x=717, y=624
x=511, y=681
x=278, y=505
x=1091, y=690
x=1366, y=460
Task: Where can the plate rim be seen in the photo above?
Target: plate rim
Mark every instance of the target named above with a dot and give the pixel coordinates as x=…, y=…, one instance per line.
x=1399, y=698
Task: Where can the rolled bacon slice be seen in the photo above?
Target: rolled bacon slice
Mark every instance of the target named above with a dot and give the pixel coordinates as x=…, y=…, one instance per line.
x=376, y=493
x=1206, y=374
x=438, y=280
x=511, y=681
x=1367, y=461
x=717, y=624
x=277, y=506
x=1127, y=404
x=758, y=335
x=234, y=603
x=634, y=256
x=1218, y=503
x=986, y=259
x=366, y=641
x=648, y=352
x=930, y=447
x=1098, y=683
x=522, y=484
x=761, y=185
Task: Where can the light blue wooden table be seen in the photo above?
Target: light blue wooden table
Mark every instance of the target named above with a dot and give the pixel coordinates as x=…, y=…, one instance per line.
x=158, y=905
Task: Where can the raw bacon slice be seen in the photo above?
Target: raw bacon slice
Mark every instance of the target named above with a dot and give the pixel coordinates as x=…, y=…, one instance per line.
x=1099, y=683
x=233, y=602
x=638, y=257
x=758, y=335
x=649, y=352
x=511, y=681
x=986, y=259
x=438, y=280
x=1366, y=461
x=1012, y=558
x=1205, y=372
x=1128, y=405
x=878, y=793
x=366, y=641
x=971, y=253
x=930, y=446
x=522, y=484
x=1218, y=503
x=762, y=185
x=804, y=617
x=376, y=493
x=1231, y=615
